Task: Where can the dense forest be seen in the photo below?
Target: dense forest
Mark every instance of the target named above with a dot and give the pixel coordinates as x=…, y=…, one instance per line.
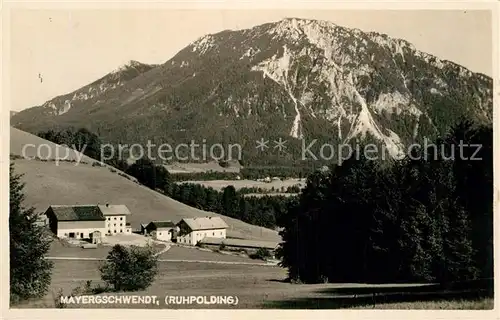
x=428, y=217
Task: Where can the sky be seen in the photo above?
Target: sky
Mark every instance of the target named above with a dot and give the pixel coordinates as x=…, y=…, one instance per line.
x=71, y=48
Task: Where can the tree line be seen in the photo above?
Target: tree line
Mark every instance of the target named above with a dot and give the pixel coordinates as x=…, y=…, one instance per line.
x=89, y=143
x=424, y=220
x=262, y=211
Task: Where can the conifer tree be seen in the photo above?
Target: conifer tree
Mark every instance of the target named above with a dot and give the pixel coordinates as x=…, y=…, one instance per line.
x=30, y=272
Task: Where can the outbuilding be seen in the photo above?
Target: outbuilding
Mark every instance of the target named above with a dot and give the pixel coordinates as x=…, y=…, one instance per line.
x=161, y=230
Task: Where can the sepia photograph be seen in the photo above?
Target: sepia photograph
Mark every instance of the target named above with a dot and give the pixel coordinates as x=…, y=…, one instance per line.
x=222, y=158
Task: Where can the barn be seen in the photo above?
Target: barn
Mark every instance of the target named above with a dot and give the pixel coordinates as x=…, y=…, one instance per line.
x=75, y=221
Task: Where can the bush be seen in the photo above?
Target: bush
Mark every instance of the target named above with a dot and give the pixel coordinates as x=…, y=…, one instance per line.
x=200, y=245
x=224, y=164
x=124, y=175
x=129, y=269
x=112, y=170
x=262, y=254
x=15, y=156
x=57, y=299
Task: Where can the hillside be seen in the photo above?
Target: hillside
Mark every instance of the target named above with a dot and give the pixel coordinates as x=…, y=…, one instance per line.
x=294, y=79
x=68, y=183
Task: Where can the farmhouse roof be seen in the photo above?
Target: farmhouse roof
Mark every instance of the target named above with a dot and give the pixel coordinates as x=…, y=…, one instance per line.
x=243, y=243
x=162, y=224
x=205, y=223
x=114, y=209
x=77, y=212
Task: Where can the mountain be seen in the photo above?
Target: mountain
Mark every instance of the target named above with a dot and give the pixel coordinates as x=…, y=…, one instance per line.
x=294, y=79
x=73, y=182
x=93, y=93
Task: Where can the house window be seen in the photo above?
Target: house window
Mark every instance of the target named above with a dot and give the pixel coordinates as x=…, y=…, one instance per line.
x=109, y=231
x=121, y=224
x=213, y=233
x=109, y=218
x=121, y=231
x=114, y=231
x=115, y=224
x=121, y=218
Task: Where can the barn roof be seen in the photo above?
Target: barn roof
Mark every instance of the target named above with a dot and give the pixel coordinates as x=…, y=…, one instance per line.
x=77, y=212
x=243, y=243
x=162, y=224
x=205, y=223
x=114, y=209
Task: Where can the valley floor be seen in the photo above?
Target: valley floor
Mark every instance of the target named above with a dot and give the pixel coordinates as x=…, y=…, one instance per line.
x=255, y=286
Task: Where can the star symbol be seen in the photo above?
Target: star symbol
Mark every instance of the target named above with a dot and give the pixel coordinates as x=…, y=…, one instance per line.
x=280, y=144
x=262, y=144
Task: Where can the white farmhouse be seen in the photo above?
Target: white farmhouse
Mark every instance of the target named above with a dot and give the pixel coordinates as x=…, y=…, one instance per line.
x=116, y=218
x=192, y=230
x=88, y=221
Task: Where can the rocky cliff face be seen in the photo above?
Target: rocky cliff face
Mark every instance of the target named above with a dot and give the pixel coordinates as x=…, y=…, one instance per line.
x=295, y=79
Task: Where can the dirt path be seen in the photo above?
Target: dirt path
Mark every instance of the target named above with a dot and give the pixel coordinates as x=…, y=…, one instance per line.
x=167, y=247
x=266, y=264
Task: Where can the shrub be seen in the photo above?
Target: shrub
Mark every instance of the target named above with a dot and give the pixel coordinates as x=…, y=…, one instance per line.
x=112, y=169
x=123, y=175
x=129, y=269
x=261, y=254
x=224, y=164
x=15, y=156
x=57, y=299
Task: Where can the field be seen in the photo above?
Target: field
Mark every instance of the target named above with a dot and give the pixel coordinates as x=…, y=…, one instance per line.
x=48, y=182
x=238, y=184
x=178, y=167
x=59, y=250
x=270, y=194
x=255, y=287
